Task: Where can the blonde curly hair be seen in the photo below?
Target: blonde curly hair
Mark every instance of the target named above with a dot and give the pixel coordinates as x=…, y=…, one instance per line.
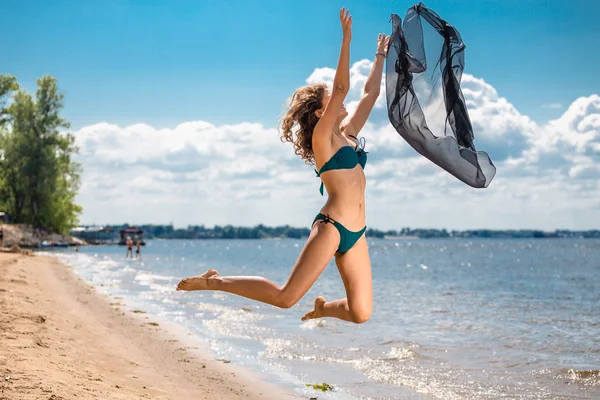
x=301, y=115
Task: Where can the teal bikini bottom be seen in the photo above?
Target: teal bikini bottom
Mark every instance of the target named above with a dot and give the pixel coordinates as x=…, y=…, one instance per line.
x=347, y=238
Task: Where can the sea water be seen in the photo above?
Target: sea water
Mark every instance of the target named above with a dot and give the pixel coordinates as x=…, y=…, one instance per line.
x=452, y=318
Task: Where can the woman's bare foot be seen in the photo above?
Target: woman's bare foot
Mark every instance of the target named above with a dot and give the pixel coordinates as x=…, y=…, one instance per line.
x=318, y=311
x=198, y=282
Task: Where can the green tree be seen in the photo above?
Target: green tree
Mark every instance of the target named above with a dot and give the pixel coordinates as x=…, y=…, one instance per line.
x=38, y=178
x=9, y=182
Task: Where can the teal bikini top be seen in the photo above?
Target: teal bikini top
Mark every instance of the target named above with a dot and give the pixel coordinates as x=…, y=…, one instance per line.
x=347, y=157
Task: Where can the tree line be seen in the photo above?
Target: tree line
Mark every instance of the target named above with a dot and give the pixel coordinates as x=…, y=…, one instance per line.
x=286, y=231
x=38, y=177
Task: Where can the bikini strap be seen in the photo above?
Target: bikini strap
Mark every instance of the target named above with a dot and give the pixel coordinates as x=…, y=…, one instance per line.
x=327, y=219
x=360, y=144
x=318, y=176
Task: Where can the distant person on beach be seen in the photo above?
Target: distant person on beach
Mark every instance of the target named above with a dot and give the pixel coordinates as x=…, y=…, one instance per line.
x=138, y=249
x=77, y=247
x=323, y=134
x=1, y=237
x=129, y=244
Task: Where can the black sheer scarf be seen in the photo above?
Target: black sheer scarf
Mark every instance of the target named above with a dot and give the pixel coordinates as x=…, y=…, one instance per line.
x=412, y=83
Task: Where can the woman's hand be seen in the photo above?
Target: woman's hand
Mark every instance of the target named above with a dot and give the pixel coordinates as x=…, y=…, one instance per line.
x=382, y=44
x=346, y=20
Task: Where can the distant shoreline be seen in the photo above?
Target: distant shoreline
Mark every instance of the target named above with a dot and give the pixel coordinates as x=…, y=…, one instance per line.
x=280, y=232
x=385, y=237
x=26, y=237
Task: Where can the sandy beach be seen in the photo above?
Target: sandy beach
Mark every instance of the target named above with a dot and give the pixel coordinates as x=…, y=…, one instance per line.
x=59, y=339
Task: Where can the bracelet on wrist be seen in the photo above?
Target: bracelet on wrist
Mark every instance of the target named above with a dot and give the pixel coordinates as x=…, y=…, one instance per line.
x=379, y=54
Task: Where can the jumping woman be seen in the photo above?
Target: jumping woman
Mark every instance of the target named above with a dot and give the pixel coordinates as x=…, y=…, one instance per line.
x=325, y=136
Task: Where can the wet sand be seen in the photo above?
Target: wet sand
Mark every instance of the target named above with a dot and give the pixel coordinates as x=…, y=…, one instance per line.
x=59, y=339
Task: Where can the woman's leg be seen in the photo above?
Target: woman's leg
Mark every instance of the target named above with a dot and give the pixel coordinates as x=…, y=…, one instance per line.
x=355, y=270
x=318, y=250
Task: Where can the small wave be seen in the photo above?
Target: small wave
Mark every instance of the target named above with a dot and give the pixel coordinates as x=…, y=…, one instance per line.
x=399, y=342
x=155, y=287
x=297, y=350
x=85, y=261
x=400, y=353
x=314, y=324
x=234, y=322
x=211, y=307
x=149, y=280
x=587, y=377
x=149, y=277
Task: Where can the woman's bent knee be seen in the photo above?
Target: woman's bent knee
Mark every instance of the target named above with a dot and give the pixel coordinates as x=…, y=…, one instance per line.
x=284, y=301
x=360, y=316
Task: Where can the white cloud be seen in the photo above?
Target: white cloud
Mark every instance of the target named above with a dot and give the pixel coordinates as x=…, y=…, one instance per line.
x=200, y=173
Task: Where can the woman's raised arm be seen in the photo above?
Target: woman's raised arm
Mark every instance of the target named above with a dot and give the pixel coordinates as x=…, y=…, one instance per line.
x=341, y=84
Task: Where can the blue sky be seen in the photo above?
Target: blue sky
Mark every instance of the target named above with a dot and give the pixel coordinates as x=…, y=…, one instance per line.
x=174, y=106
x=164, y=62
